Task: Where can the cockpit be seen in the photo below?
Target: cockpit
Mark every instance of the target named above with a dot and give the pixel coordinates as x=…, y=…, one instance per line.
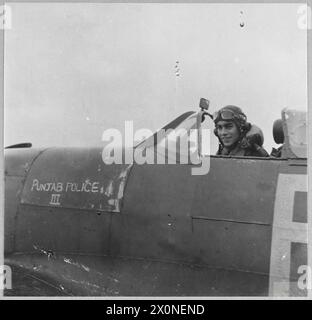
x=190, y=136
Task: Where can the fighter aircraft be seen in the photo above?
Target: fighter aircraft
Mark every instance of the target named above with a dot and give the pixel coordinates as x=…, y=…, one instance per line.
x=77, y=226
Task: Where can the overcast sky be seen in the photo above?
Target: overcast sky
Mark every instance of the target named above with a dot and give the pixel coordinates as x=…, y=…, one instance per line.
x=73, y=70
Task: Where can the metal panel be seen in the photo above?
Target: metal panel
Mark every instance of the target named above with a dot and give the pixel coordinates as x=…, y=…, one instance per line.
x=233, y=213
x=232, y=245
x=13, y=188
x=108, y=276
x=237, y=189
x=18, y=161
x=75, y=178
x=174, y=216
x=17, y=164
x=40, y=229
x=156, y=222
x=295, y=128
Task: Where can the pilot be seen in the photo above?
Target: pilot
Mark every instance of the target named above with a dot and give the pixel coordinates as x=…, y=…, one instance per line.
x=237, y=137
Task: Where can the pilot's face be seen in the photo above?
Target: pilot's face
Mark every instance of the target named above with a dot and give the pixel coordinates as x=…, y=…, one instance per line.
x=228, y=132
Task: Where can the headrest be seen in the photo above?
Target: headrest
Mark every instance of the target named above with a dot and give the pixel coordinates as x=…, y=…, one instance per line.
x=278, y=133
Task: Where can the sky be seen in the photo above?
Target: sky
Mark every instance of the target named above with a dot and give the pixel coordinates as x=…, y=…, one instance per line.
x=74, y=70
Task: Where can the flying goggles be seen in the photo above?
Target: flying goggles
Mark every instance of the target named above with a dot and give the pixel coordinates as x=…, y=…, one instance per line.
x=227, y=115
